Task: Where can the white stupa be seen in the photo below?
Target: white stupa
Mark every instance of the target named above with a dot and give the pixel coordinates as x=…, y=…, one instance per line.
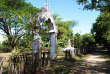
x=68, y=47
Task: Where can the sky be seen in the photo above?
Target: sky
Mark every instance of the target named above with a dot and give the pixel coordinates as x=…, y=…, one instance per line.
x=69, y=10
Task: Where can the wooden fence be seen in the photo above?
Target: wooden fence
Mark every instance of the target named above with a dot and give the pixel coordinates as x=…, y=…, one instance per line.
x=85, y=49
x=24, y=64
x=1, y=70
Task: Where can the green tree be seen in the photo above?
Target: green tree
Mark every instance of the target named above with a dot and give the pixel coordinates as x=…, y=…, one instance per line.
x=101, y=29
x=4, y=46
x=102, y=5
x=77, y=40
x=88, y=39
x=64, y=31
x=15, y=19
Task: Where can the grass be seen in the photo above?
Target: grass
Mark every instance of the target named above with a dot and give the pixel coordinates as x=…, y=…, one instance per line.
x=60, y=65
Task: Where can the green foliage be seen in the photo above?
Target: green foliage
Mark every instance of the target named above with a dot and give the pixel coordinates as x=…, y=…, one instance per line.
x=88, y=39
x=64, y=27
x=5, y=46
x=45, y=37
x=77, y=40
x=1, y=47
x=22, y=50
x=25, y=42
x=18, y=8
x=102, y=5
x=15, y=19
x=62, y=42
x=46, y=45
x=64, y=31
x=59, y=50
x=101, y=29
x=85, y=39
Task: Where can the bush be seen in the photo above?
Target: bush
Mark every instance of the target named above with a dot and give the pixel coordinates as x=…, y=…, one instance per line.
x=5, y=47
x=22, y=50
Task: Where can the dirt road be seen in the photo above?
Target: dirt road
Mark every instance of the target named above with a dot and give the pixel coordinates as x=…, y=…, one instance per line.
x=94, y=64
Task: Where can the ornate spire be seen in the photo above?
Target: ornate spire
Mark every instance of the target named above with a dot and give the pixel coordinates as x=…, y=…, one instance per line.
x=47, y=5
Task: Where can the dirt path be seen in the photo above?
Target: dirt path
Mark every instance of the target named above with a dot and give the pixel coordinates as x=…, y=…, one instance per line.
x=94, y=64
x=6, y=54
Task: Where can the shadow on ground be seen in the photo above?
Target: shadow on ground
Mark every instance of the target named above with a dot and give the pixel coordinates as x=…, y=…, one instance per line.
x=94, y=64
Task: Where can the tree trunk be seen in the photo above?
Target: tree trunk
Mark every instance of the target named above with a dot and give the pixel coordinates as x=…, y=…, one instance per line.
x=12, y=43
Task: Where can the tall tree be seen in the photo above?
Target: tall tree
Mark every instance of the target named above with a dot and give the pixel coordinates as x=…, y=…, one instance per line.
x=15, y=19
x=101, y=29
x=64, y=30
x=77, y=40
x=88, y=39
x=102, y=5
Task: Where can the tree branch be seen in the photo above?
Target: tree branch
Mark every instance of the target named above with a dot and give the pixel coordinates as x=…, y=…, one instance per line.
x=18, y=31
x=20, y=37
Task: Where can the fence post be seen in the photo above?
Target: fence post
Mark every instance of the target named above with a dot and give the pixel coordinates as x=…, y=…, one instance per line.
x=78, y=50
x=66, y=55
x=35, y=62
x=16, y=70
x=43, y=60
x=48, y=56
x=69, y=52
x=2, y=65
x=13, y=68
x=25, y=63
x=9, y=68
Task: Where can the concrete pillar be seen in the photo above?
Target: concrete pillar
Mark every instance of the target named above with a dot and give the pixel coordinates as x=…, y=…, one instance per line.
x=37, y=46
x=53, y=45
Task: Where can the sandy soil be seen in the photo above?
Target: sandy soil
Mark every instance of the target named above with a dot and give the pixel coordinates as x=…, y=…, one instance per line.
x=94, y=64
x=5, y=57
x=6, y=54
